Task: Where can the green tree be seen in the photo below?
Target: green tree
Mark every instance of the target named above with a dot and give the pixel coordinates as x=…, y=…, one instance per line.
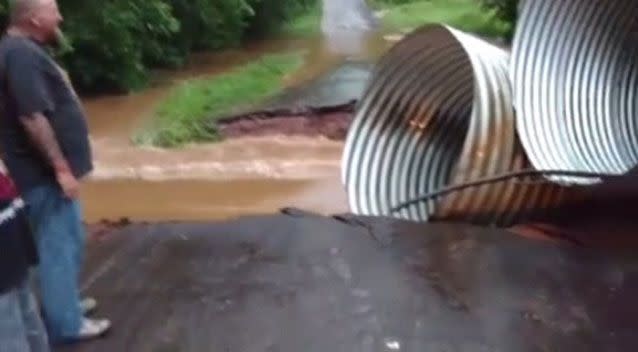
x=506, y=10
x=112, y=45
x=112, y=42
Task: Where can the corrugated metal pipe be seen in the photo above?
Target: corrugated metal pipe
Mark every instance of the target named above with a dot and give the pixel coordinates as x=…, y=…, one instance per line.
x=574, y=70
x=438, y=112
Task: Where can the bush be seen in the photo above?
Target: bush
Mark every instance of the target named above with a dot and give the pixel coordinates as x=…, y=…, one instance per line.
x=269, y=15
x=113, y=44
x=209, y=24
x=505, y=10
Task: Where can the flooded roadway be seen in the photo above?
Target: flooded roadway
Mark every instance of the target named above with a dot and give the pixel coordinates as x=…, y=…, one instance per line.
x=235, y=177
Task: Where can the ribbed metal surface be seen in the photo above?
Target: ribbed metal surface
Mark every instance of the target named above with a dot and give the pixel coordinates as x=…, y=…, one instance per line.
x=437, y=112
x=574, y=70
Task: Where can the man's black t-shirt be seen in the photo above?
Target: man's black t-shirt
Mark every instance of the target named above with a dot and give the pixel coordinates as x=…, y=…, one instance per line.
x=32, y=82
x=17, y=248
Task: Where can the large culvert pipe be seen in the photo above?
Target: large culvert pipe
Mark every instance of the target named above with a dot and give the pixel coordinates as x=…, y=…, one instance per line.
x=574, y=71
x=437, y=111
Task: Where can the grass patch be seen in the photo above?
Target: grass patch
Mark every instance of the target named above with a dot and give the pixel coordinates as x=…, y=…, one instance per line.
x=466, y=15
x=187, y=114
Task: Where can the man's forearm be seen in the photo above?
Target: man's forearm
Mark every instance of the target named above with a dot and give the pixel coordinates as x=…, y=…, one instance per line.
x=42, y=135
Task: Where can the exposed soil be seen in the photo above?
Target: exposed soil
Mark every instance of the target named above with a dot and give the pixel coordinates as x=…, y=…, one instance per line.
x=331, y=122
x=98, y=231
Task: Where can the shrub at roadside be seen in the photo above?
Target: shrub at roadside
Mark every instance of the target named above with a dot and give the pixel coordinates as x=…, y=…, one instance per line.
x=111, y=41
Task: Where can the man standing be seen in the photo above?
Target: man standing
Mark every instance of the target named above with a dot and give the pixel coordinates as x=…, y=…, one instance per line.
x=47, y=151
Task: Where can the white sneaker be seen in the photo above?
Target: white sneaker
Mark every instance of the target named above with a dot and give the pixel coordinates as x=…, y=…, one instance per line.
x=92, y=328
x=88, y=305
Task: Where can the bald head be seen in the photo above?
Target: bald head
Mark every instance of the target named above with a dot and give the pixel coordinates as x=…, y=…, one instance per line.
x=38, y=18
x=20, y=10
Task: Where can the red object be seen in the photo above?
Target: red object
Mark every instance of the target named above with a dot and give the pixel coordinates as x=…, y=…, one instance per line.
x=8, y=189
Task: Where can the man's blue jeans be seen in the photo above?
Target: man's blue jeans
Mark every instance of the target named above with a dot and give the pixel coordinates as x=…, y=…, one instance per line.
x=21, y=328
x=60, y=239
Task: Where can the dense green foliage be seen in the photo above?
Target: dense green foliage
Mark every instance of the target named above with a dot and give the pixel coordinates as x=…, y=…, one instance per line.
x=113, y=44
x=506, y=11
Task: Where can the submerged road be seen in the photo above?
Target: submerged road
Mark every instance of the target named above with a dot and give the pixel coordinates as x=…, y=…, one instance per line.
x=302, y=282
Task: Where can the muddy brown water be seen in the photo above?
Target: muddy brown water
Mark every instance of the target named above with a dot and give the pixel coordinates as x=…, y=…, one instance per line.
x=213, y=181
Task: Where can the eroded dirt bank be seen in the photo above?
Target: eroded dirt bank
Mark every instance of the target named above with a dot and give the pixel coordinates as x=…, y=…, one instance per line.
x=331, y=122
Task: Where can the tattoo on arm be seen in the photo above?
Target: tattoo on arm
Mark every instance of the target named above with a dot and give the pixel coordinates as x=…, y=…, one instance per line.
x=42, y=135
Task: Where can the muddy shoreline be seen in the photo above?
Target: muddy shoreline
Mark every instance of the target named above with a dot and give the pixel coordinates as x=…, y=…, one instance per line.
x=331, y=122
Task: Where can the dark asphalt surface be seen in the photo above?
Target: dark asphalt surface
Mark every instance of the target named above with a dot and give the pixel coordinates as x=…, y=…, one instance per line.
x=308, y=283
x=340, y=85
